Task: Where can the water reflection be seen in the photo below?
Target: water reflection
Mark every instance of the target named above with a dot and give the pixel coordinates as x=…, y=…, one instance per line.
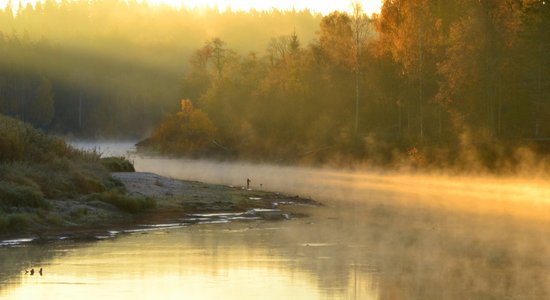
x=236, y=261
x=344, y=251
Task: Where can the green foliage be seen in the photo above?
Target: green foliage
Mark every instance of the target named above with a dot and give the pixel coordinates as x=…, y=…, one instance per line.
x=13, y=195
x=79, y=212
x=14, y=223
x=117, y=164
x=127, y=203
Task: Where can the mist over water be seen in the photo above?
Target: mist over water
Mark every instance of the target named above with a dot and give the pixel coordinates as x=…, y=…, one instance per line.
x=479, y=194
x=378, y=236
x=425, y=236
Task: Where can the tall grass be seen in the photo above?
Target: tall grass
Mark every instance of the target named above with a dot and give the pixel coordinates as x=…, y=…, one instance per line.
x=126, y=203
x=14, y=222
x=117, y=164
x=36, y=168
x=13, y=195
x=21, y=142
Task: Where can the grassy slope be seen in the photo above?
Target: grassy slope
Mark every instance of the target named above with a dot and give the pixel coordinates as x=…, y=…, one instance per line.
x=45, y=183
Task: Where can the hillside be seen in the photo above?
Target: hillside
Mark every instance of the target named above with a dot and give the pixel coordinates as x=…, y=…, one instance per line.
x=46, y=183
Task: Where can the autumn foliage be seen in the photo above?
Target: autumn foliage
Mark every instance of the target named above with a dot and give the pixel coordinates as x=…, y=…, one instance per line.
x=187, y=132
x=462, y=83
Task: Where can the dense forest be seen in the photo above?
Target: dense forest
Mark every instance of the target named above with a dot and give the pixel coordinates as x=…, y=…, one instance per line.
x=427, y=83
x=424, y=83
x=113, y=69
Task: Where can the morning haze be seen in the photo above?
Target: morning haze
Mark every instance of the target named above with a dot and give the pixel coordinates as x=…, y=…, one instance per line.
x=287, y=150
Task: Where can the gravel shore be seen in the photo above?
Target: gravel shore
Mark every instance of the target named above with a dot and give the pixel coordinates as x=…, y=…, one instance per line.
x=176, y=202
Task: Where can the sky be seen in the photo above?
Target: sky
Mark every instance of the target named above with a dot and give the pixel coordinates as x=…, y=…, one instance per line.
x=323, y=7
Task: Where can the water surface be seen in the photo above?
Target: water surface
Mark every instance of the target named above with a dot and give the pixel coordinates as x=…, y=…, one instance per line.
x=379, y=236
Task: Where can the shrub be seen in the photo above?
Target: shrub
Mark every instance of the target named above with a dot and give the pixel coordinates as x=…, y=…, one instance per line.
x=117, y=164
x=3, y=224
x=127, y=203
x=17, y=173
x=19, y=141
x=67, y=178
x=18, y=222
x=54, y=219
x=86, y=183
x=79, y=212
x=21, y=196
x=189, y=132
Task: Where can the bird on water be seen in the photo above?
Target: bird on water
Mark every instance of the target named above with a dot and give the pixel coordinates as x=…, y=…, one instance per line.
x=31, y=272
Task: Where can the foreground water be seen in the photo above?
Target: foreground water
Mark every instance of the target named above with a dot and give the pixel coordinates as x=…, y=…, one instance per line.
x=379, y=236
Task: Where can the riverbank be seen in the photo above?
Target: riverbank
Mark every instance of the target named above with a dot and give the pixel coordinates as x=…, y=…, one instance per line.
x=173, y=203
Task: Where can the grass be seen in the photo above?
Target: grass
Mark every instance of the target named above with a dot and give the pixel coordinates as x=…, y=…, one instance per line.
x=18, y=196
x=126, y=203
x=18, y=222
x=37, y=170
x=21, y=142
x=117, y=164
x=79, y=212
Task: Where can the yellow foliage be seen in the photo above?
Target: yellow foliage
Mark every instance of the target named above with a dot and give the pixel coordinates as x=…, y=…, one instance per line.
x=187, y=132
x=186, y=106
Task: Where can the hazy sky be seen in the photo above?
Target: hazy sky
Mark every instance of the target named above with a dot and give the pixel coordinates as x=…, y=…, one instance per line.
x=323, y=7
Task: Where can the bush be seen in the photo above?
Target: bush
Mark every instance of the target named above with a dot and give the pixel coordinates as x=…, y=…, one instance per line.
x=3, y=224
x=189, y=132
x=86, y=183
x=127, y=203
x=17, y=173
x=79, y=212
x=117, y=164
x=19, y=141
x=67, y=178
x=17, y=223
x=13, y=195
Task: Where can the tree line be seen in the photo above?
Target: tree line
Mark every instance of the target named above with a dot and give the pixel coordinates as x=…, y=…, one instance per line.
x=426, y=82
x=105, y=68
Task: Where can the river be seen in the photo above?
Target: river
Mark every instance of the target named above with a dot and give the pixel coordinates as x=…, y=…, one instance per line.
x=378, y=236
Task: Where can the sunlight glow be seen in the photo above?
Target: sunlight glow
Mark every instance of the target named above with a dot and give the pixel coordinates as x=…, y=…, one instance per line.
x=322, y=7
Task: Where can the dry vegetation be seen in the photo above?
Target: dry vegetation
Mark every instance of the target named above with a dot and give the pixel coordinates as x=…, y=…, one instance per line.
x=46, y=183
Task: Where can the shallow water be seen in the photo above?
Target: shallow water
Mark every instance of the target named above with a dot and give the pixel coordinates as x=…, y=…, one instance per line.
x=245, y=260
x=379, y=236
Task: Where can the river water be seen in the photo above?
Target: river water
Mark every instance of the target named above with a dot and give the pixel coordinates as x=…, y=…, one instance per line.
x=378, y=236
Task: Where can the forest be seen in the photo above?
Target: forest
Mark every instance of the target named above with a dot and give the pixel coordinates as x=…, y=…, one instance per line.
x=112, y=69
x=430, y=83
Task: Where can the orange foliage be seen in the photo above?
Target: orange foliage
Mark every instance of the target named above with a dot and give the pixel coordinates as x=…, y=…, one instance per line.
x=188, y=132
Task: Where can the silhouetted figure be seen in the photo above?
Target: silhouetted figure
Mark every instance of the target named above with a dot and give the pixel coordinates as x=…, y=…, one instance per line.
x=32, y=272
x=40, y=271
x=248, y=183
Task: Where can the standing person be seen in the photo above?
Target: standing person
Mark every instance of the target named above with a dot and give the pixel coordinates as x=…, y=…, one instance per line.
x=248, y=183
